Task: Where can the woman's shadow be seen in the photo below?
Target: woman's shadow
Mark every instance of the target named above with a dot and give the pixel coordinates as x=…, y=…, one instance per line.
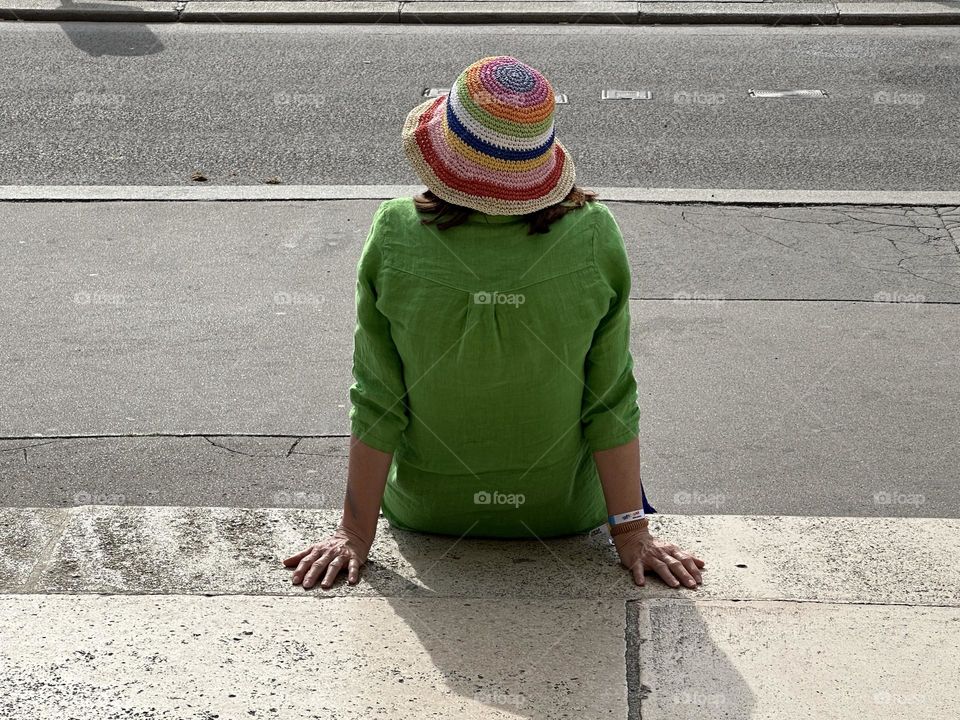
x=514, y=644
x=108, y=38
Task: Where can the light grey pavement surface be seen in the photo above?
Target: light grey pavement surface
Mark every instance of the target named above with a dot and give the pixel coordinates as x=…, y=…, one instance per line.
x=351, y=659
x=769, y=659
x=185, y=613
x=152, y=104
x=789, y=360
x=182, y=658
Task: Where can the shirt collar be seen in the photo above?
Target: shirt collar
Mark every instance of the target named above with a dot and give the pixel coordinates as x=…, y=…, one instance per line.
x=491, y=219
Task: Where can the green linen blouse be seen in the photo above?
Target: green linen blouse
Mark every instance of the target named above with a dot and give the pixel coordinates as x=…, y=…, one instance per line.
x=492, y=363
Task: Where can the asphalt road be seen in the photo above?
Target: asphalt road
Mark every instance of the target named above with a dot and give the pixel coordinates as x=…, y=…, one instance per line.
x=108, y=103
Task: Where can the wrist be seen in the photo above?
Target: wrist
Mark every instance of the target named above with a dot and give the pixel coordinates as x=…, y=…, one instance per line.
x=351, y=531
x=633, y=526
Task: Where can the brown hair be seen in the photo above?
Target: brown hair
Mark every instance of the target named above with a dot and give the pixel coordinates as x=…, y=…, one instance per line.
x=538, y=221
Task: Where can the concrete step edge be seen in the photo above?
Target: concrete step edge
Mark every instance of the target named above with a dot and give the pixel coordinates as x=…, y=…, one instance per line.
x=209, y=550
x=237, y=193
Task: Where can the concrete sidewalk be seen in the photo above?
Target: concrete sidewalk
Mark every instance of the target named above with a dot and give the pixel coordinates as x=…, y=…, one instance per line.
x=783, y=355
x=186, y=613
x=645, y=12
x=198, y=353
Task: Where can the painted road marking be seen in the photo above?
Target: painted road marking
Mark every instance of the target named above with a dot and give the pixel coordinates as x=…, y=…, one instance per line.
x=787, y=93
x=626, y=95
x=558, y=98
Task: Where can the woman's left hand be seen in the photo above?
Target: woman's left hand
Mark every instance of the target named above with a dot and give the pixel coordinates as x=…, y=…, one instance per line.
x=344, y=550
x=640, y=551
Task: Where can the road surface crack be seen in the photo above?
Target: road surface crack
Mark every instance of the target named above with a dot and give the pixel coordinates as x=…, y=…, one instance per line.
x=854, y=223
x=24, y=447
x=224, y=447
x=950, y=228
x=295, y=443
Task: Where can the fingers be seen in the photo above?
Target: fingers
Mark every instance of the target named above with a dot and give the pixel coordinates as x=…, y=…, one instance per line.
x=353, y=571
x=661, y=568
x=679, y=571
x=336, y=565
x=294, y=559
x=671, y=570
x=694, y=571
x=322, y=561
x=318, y=566
x=690, y=564
x=305, y=564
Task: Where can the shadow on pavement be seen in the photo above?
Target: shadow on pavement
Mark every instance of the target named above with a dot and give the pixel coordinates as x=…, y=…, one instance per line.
x=543, y=657
x=128, y=39
x=686, y=675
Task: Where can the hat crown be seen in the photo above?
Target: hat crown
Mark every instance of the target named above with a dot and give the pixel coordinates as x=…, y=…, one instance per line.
x=504, y=101
x=503, y=84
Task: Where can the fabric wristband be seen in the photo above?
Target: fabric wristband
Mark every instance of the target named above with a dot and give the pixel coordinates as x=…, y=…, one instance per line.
x=626, y=527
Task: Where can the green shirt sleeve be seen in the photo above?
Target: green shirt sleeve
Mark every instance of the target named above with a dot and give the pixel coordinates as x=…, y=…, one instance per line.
x=610, y=415
x=378, y=412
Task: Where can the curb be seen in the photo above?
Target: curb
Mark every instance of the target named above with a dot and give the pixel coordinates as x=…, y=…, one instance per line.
x=644, y=12
x=291, y=11
x=142, y=11
x=552, y=12
x=287, y=193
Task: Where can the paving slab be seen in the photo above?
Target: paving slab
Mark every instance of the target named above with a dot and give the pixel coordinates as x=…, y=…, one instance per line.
x=812, y=253
x=205, y=302
x=263, y=472
x=768, y=659
x=174, y=658
x=765, y=408
x=782, y=353
x=155, y=326
x=27, y=537
x=210, y=470
x=844, y=405
x=168, y=550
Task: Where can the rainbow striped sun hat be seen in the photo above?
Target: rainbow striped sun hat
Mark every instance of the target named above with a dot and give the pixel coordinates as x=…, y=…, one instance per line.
x=489, y=143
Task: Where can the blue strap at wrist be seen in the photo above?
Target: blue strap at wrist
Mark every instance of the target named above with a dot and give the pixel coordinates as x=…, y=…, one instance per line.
x=626, y=517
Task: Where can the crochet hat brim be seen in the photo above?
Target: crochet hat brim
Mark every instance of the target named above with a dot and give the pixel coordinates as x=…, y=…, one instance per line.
x=478, y=192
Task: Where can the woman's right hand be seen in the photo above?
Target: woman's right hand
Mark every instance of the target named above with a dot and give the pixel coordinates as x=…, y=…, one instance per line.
x=342, y=550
